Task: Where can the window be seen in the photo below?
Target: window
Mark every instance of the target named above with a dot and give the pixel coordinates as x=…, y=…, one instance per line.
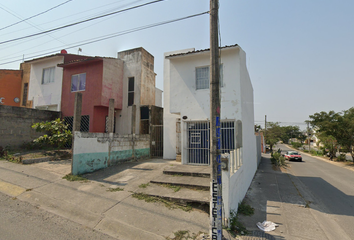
x=48, y=75
x=78, y=82
x=202, y=77
x=130, y=91
x=24, y=96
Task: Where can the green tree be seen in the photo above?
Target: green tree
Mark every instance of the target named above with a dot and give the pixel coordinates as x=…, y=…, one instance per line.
x=273, y=134
x=57, y=133
x=289, y=132
x=338, y=125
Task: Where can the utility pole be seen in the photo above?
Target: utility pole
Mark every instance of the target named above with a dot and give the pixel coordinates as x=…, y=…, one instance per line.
x=265, y=131
x=308, y=134
x=215, y=158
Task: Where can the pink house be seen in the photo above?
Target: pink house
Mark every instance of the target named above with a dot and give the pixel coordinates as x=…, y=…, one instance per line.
x=98, y=79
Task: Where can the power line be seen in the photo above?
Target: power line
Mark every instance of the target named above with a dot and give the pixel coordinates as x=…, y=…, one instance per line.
x=13, y=24
x=112, y=35
x=76, y=23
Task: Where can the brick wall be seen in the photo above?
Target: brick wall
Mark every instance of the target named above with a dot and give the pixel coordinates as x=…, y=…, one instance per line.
x=16, y=122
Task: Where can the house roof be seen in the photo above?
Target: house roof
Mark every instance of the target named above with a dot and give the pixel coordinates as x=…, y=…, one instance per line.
x=199, y=51
x=51, y=56
x=80, y=61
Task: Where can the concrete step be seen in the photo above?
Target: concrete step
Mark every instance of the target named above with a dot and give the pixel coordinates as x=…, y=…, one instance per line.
x=200, y=183
x=188, y=170
x=184, y=195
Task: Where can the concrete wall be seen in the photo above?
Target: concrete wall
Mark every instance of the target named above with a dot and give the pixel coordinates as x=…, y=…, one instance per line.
x=138, y=63
x=26, y=72
x=46, y=96
x=16, y=122
x=94, y=151
x=240, y=181
x=10, y=87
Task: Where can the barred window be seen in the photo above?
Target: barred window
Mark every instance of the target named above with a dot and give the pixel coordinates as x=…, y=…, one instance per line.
x=202, y=77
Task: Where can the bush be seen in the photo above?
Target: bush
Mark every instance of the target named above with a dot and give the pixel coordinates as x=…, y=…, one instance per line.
x=296, y=145
x=316, y=152
x=277, y=159
x=341, y=157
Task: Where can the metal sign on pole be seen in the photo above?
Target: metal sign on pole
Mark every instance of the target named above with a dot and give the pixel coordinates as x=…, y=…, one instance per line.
x=215, y=181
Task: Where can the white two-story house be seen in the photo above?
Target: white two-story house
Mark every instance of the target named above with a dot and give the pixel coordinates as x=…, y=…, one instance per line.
x=187, y=114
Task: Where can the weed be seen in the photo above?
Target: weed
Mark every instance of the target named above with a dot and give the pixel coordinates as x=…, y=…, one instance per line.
x=173, y=187
x=117, y=189
x=73, y=178
x=144, y=185
x=168, y=204
x=182, y=234
x=245, y=209
x=29, y=189
x=236, y=226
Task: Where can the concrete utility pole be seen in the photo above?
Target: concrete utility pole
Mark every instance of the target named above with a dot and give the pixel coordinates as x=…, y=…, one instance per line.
x=308, y=135
x=76, y=122
x=215, y=158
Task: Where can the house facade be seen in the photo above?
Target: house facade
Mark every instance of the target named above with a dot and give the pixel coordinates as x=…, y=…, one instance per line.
x=187, y=114
x=10, y=87
x=98, y=79
x=45, y=80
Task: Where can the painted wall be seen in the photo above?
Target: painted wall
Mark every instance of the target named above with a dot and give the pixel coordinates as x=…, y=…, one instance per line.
x=46, y=96
x=241, y=180
x=94, y=151
x=90, y=97
x=158, y=97
x=112, y=82
x=147, y=90
x=181, y=98
x=169, y=129
x=10, y=87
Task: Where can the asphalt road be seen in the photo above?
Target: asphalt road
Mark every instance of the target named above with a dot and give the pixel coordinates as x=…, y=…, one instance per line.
x=22, y=221
x=328, y=188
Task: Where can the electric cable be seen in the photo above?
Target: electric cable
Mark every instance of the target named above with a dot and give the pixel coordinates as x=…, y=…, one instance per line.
x=13, y=24
x=98, y=39
x=83, y=21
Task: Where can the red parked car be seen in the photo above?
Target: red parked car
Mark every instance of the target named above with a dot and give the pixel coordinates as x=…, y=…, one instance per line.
x=291, y=155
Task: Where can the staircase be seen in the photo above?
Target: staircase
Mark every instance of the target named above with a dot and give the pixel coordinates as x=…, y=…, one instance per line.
x=185, y=184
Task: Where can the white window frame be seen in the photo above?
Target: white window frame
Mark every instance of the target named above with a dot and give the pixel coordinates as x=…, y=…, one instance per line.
x=78, y=82
x=205, y=79
x=48, y=75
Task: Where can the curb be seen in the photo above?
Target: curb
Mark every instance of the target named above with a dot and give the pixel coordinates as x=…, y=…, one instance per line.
x=36, y=160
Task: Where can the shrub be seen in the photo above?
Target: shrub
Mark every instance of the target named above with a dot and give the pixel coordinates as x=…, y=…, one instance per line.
x=277, y=159
x=341, y=157
x=296, y=145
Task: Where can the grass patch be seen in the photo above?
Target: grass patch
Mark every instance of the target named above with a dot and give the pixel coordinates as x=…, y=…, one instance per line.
x=144, y=185
x=245, y=209
x=73, y=178
x=117, y=189
x=182, y=234
x=167, y=203
x=173, y=187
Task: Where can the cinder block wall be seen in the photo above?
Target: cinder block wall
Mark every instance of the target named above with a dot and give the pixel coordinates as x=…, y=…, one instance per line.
x=16, y=122
x=94, y=151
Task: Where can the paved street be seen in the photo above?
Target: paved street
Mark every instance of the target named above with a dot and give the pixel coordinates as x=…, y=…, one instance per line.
x=328, y=188
x=20, y=220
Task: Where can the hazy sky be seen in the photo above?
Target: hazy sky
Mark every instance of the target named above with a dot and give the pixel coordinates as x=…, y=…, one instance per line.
x=299, y=53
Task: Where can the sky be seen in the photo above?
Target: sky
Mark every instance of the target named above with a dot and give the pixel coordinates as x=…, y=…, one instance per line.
x=299, y=53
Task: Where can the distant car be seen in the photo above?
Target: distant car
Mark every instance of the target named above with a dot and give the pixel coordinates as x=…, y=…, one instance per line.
x=292, y=155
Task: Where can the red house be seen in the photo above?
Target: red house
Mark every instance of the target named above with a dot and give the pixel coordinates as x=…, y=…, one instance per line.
x=98, y=79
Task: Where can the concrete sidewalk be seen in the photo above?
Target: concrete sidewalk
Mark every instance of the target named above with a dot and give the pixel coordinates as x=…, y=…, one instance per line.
x=91, y=204
x=278, y=197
